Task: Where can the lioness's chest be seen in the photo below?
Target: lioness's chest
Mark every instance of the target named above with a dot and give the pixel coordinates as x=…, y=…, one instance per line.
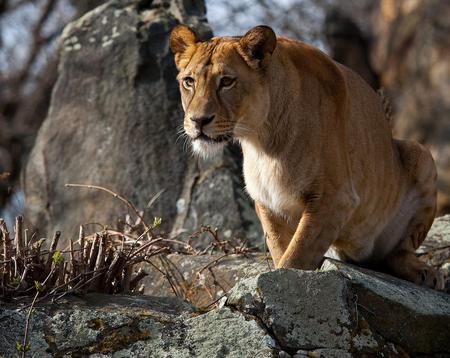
x=267, y=184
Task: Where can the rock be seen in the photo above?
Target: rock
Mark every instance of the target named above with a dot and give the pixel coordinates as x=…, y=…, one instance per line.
x=113, y=121
x=344, y=309
x=304, y=310
x=222, y=332
x=421, y=322
x=126, y=326
x=204, y=278
x=323, y=353
x=435, y=250
x=215, y=197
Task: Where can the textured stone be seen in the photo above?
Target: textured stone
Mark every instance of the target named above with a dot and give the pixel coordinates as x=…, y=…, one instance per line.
x=113, y=121
x=342, y=312
x=125, y=326
x=216, y=197
x=305, y=310
x=95, y=324
x=323, y=353
x=342, y=309
x=413, y=317
x=225, y=333
x=12, y=328
x=206, y=277
x=435, y=250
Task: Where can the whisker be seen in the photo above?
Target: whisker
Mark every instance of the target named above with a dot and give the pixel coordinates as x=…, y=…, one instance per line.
x=243, y=129
x=186, y=144
x=180, y=136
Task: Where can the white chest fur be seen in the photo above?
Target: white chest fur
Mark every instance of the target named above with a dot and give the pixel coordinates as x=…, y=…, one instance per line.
x=267, y=184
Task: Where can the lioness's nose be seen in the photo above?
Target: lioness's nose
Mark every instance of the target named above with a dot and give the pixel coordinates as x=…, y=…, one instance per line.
x=200, y=122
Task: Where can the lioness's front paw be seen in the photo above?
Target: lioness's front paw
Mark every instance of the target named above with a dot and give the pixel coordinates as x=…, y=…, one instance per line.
x=432, y=278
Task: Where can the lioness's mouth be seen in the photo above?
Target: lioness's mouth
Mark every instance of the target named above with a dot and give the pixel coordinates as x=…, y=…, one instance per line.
x=207, y=146
x=218, y=139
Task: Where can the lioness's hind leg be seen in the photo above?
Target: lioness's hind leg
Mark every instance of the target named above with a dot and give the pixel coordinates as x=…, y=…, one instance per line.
x=421, y=171
x=404, y=263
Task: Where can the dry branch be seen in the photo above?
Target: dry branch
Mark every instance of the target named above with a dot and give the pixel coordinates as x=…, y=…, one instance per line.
x=121, y=198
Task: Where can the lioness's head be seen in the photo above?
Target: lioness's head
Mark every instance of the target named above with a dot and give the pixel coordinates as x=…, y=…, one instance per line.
x=223, y=84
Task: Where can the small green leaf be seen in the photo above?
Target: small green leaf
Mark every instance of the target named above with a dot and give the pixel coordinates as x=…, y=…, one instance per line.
x=57, y=257
x=157, y=221
x=17, y=280
x=39, y=286
x=19, y=346
x=28, y=347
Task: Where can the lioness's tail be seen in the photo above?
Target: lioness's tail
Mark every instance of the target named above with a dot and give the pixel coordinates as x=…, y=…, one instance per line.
x=386, y=106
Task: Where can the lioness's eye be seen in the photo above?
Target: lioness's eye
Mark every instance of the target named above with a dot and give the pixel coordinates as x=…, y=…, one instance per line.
x=188, y=82
x=227, y=82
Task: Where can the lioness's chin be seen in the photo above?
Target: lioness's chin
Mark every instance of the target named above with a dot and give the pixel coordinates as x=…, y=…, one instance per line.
x=206, y=149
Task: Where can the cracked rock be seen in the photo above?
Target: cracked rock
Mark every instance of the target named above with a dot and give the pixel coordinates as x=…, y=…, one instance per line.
x=413, y=317
x=342, y=310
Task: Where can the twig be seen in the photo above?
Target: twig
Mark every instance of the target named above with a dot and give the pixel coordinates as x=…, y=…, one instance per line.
x=117, y=196
x=165, y=275
x=137, y=278
x=215, y=301
x=52, y=250
x=27, y=325
x=212, y=263
x=19, y=236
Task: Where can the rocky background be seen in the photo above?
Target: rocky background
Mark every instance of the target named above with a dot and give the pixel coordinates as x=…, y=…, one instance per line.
x=113, y=121
x=404, y=47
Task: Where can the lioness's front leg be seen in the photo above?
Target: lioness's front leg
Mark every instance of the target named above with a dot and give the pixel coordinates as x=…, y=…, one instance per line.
x=276, y=230
x=319, y=227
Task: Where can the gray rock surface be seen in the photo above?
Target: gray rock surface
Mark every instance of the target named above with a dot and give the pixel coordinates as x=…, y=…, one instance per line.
x=124, y=326
x=344, y=309
x=411, y=316
x=285, y=299
x=204, y=278
x=114, y=120
x=207, y=277
x=215, y=196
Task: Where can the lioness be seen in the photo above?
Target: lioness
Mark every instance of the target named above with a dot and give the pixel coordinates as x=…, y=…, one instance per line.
x=319, y=158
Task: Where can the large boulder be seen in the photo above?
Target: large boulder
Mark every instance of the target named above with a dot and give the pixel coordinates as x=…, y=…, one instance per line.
x=125, y=326
x=114, y=117
x=346, y=310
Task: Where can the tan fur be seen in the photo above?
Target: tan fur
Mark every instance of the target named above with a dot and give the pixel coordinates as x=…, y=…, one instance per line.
x=319, y=157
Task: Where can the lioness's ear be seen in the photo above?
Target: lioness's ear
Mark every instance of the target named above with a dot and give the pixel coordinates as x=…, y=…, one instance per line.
x=257, y=45
x=181, y=38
